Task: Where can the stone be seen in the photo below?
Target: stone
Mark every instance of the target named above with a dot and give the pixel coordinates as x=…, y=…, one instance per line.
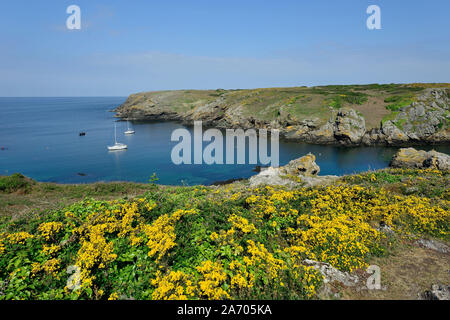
x=437, y=292
x=423, y=121
x=437, y=160
x=434, y=245
x=393, y=135
x=332, y=274
x=412, y=158
x=270, y=176
x=349, y=127
x=302, y=166
x=299, y=172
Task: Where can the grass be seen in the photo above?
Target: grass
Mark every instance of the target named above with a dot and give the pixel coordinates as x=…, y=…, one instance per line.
x=137, y=241
x=399, y=101
x=390, y=117
x=25, y=197
x=295, y=103
x=423, y=183
x=15, y=182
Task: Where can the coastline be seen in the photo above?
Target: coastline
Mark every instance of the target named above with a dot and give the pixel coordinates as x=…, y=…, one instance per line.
x=424, y=121
x=198, y=219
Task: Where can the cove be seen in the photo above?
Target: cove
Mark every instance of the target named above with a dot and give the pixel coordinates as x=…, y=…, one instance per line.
x=40, y=139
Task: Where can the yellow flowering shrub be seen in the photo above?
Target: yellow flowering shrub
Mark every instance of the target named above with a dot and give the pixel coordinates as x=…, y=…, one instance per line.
x=161, y=235
x=51, y=249
x=242, y=224
x=19, y=237
x=175, y=285
x=51, y=267
x=49, y=229
x=216, y=242
x=212, y=278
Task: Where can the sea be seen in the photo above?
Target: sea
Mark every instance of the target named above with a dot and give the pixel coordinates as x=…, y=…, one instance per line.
x=40, y=138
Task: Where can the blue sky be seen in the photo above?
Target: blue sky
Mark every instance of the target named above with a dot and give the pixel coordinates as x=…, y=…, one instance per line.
x=131, y=46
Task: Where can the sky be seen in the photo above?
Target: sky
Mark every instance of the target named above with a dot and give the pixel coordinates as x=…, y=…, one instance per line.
x=125, y=47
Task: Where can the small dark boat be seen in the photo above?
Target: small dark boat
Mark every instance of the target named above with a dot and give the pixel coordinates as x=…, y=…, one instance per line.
x=259, y=168
x=82, y=134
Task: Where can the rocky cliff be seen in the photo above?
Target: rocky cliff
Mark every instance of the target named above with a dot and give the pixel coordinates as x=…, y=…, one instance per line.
x=334, y=115
x=412, y=158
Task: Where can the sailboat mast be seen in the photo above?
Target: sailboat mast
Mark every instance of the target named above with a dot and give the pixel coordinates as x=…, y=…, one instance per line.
x=115, y=133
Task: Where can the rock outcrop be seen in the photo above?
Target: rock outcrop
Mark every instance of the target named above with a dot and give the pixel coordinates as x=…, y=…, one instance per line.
x=437, y=292
x=424, y=121
x=305, y=166
x=434, y=245
x=412, y=158
x=331, y=274
x=345, y=127
x=299, y=172
x=349, y=127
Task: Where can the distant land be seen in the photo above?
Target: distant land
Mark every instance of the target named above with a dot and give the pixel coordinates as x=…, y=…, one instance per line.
x=350, y=115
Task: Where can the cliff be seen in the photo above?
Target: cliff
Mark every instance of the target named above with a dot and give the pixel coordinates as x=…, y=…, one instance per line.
x=392, y=114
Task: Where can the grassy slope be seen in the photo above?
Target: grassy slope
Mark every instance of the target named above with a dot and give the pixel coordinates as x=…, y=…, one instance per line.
x=423, y=267
x=375, y=102
x=22, y=197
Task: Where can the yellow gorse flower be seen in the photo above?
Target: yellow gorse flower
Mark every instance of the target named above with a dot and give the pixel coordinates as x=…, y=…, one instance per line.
x=49, y=229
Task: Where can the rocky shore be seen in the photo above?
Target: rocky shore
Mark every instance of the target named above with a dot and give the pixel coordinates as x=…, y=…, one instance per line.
x=424, y=121
x=304, y=171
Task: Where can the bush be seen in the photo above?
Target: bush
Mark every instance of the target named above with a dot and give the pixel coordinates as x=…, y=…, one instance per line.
x=398, y=102
x=14, y=183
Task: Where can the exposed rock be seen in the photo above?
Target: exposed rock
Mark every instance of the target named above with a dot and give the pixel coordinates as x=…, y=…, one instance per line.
x=437, y=160
x=385, y=228
x=299, y=172
x=411, y=190
x=373, y=136
x=271, y=176
x=332, y=274
x=323, y=135
x=349, y=127
x=437, y=292
x=424, y=121
x=412, y=158
x=392, y=134
x=434, y=245
x=409, y=158
x=302, y=166
x=344, y=127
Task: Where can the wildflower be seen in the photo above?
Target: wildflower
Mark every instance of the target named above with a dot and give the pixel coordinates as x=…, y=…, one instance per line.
x=49, y=229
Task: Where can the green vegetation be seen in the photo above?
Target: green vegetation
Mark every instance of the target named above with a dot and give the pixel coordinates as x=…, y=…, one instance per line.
x=398, y=102
x=295, y=103
x=431, y=184
x=14, y=182
x=224, y=242
x=390, y=117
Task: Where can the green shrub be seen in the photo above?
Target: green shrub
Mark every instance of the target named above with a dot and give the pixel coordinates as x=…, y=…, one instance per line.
x=14, y=182
x=398, y=102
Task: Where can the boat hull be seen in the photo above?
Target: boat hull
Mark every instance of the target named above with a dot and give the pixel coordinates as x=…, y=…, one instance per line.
x=117, y=147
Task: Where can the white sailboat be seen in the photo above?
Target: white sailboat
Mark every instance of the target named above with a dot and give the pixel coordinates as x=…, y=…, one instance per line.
x=129, y=131
x=117, y=145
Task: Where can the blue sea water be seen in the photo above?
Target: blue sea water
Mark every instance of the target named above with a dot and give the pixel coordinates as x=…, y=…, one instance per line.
x=40, y=139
